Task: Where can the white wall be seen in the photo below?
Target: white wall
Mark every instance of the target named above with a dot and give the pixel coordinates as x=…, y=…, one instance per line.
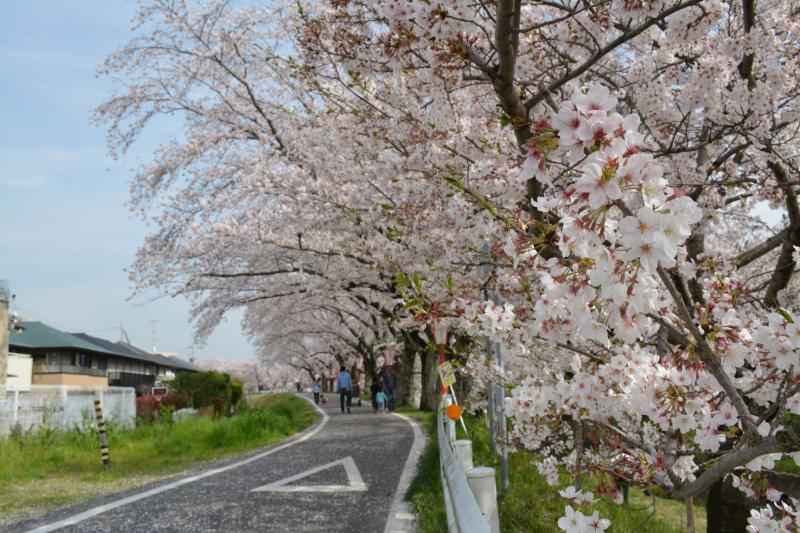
x=20, y=371
x=64, y=407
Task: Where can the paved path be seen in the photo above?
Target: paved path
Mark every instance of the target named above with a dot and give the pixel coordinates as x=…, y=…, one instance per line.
x=365, y=456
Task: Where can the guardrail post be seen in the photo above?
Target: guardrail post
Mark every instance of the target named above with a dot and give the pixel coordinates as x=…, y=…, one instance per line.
x=481, y=481
x=463, y=450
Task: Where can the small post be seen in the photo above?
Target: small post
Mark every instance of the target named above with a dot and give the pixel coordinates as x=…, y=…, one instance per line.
x=463, y=451
x=491, y=408
x=15, y=406
x=500, y=420
x=64, y=403
x=101, y=434
x=5, y=298
x=690, y=515
x=481, y=481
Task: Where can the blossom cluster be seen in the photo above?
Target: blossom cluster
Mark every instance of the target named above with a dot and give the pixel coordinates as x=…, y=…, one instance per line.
x=780, y=518
x=619, y=221
x=575, y=521
x=487, y=318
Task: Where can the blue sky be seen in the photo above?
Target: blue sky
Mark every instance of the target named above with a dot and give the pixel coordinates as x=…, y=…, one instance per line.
x=66, y=235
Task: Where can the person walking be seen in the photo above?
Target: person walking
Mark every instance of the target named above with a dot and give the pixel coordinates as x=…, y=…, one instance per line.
x=317, y=389
x=344, y=384
x=390, y=387
x=381, y=400
x=376, y=386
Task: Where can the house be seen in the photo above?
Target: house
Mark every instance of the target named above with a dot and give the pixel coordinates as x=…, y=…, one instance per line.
x=134, y=367
x=61, y=358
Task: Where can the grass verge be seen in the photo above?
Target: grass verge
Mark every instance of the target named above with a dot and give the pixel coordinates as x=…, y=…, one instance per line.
x=46, y=469
x=530, y=505
x=425, y=491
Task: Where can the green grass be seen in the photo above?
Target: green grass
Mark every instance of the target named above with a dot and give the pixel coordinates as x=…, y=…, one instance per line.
x=530, y=505
x=425, y=491
x=45, y=469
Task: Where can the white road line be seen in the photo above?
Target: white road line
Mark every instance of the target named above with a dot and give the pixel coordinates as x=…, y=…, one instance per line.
x=399, y=513
x=355, y=482
x=72, y=520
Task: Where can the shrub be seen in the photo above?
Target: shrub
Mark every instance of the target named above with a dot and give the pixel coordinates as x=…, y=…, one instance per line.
x=176, y=401
x=148, y=408
x=219, y=405
x=200, y=387
x=237, y=394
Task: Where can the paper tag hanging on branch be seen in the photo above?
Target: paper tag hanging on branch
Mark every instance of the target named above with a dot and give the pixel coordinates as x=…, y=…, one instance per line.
x=446, y=374
x=388, y=356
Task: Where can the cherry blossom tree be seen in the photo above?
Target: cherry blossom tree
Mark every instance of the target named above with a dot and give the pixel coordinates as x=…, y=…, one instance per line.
x=631, y=167
x=254, y=374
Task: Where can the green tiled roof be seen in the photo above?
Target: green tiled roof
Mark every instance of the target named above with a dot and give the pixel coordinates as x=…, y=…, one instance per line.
x=39, y=335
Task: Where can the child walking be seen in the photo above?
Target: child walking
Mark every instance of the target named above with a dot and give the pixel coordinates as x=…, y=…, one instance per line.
x=381, y=400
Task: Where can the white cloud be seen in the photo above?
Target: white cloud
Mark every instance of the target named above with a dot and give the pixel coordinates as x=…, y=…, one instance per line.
x=25, y=182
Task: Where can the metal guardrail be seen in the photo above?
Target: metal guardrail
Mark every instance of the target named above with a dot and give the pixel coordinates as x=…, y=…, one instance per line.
x=463, y=513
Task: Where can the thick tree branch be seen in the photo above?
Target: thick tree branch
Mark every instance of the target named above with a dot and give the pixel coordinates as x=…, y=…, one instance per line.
x=782, y=441
x=786, y=264
x=748, y=256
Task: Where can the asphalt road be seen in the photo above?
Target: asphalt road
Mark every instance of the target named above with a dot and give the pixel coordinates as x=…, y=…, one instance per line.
x=341, y=475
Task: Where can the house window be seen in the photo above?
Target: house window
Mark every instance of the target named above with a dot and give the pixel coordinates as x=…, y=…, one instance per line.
x=82, y=359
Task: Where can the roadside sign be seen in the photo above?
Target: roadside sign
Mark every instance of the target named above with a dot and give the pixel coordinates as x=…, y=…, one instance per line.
x=446, y=374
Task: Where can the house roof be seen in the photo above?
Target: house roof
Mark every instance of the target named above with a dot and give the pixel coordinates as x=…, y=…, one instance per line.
x=116, y=349
x=174, y=362
x=124, y=349
x=39, y=335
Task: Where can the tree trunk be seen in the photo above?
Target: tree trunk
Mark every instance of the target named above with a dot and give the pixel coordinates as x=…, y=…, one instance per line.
x=405, y=376
x=369, y=372
x=429, y=397
x=690, y=516
x=727, y=508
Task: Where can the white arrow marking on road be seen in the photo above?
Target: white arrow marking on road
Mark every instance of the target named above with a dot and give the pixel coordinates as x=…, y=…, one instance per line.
x=354, y=481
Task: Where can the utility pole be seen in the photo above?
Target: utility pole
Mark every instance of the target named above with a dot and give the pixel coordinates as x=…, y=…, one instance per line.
x=153, y=333
x=496, y=393
x=5, y=298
